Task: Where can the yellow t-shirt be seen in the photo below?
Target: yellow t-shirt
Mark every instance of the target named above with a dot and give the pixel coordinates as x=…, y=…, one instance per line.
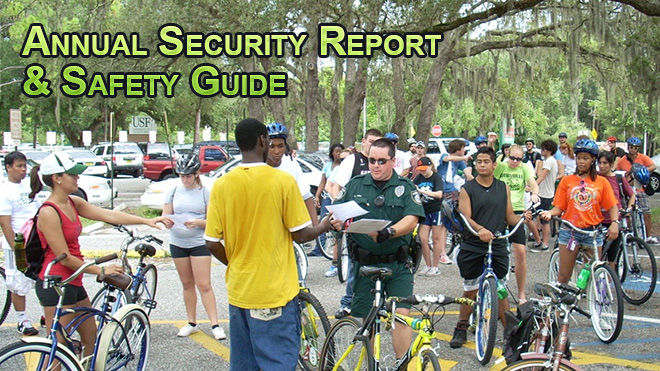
x=254, y=208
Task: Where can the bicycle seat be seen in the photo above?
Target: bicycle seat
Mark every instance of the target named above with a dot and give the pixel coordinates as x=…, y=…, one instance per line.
x=375, y=271
x=120, y=281
x=144, y=249
x=560, y=293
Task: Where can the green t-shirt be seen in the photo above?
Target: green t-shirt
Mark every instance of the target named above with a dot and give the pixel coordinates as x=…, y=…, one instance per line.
x=516, y=179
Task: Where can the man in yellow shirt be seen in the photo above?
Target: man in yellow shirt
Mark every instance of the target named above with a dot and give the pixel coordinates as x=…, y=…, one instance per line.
x=258, y=212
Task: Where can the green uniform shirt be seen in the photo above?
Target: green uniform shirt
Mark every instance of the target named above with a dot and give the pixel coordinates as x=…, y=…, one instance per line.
x=401, y=199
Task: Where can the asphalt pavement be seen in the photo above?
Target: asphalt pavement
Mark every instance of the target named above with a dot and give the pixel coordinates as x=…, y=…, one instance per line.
x=638, y=346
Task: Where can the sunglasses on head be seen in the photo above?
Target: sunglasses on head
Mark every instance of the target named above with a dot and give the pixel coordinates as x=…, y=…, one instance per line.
x=513, y=158
x=380, y=161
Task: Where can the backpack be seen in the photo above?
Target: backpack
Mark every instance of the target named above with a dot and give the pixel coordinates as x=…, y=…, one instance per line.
x=518, y=331
x=622, y=196
x=34, y=251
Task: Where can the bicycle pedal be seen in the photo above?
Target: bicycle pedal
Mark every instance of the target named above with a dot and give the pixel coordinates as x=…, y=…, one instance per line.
x=151, y=304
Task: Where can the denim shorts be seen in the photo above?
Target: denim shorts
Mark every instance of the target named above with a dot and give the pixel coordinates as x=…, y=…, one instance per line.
x=583, y=239
x=267, y=343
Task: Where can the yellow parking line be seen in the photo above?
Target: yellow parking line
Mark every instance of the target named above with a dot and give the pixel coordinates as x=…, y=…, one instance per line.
x=211, y=344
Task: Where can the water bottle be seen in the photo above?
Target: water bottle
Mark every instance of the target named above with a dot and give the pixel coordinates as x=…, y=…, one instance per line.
x=416, y=324
x=19, y=252
x=583, y=278
x=501, y=291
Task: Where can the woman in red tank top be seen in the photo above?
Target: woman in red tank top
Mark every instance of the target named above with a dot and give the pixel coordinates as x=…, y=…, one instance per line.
x=59, y=228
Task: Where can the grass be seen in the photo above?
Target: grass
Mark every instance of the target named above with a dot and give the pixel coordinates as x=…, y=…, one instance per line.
x=141, y=211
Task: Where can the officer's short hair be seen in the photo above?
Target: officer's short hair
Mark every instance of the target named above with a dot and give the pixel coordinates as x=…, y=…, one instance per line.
x=488, y=151
x=247, y=133
x=373, y=133
x=384, y=143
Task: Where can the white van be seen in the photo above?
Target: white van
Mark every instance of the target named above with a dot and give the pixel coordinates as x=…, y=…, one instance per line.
x=437, y=146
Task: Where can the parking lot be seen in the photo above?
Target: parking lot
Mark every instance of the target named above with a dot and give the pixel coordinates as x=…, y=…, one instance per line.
x=638, y=346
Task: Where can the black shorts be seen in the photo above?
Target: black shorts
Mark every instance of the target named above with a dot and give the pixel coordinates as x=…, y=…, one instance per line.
x=184, y=252
x=546, y=204
x=49, y=297
x=471, y=264
x=519, y=236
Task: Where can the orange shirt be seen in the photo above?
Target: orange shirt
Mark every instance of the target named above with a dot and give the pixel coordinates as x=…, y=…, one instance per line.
x=582, y=199
x=642, y=159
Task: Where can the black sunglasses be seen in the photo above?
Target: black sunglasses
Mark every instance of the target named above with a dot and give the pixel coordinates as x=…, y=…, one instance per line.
x=635, y=147
x=380, y=161
x=513, y=158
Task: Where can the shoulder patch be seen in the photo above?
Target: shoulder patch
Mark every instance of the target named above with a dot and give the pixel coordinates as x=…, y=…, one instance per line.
x=341, y=194
x=416, y=198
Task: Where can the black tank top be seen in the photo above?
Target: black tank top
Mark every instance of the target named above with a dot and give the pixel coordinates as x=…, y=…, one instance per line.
x=489, y=211
x=361, y=165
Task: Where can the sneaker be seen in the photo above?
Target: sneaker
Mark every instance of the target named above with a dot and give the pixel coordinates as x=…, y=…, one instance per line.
x=27, y=329
x=651, y=240
x=604, y=325
x=218, y=333
x=187, y=330
x=459, y=338
x=343, y=312
x=445, y=260
x=540, y=248
x=424, y=271
x=332, y=272
x=42, y=321
x=434, y=271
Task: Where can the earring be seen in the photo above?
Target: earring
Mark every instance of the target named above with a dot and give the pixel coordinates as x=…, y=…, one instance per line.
x=59, y=182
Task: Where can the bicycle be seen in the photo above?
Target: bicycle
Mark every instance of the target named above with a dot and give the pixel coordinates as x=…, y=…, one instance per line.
x=487, y=308
x=5, y=297
x=314, y=328
x=634, y=264
x=122, y=339
x=603, y=290
x=301, y=260
x=548, y=344
x=638, y=223
x=145, y=276
x=354, y=346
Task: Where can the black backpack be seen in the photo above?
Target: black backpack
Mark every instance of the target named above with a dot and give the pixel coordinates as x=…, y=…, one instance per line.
x=34, y=251
x=518, y=332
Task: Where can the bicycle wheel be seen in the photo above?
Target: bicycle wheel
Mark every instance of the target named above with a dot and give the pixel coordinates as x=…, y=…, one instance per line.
x=124, y=345
x=605, y=303
x=486, y=319
x=430, y=361
x=35, y=355
x=122, y=298
x=145, y=292
x=327, y=248
x=537, y=364
x=343, y=264
x=553, y=266
x=637, y=271
x=343, y=351
x=639, y=228
x=5, y=297
x=315, y=326
x=301, y=260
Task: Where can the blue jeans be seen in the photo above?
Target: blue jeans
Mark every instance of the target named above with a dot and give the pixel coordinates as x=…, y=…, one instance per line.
x=258, y=344
x=348, y=298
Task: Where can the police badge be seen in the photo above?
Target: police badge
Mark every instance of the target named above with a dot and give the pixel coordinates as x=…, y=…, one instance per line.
x=398, y=191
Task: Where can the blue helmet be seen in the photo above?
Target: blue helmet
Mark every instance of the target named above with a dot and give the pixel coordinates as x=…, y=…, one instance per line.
x=634, y=141
x=392, y=137
x=586, y=145
x=480, y=139
x=640, y=173
x=277, y=130
x=450, y=218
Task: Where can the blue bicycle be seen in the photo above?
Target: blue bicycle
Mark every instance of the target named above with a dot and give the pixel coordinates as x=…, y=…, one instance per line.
x=122, y=341
x=145, y=276
x=486, y=311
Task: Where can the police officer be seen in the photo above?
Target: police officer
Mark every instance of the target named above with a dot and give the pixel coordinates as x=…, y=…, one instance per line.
x=387, y=196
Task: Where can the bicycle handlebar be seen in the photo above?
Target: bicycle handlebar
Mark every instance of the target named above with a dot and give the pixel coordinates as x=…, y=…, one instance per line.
x=430, y=299
x=135, y=237
x=78, y=272
x=498, y=235
x=580, y=230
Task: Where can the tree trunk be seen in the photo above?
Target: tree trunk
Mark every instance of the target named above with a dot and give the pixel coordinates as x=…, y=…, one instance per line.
x=335, y=115
x=311, y=90
x=432, y=89
x=354, y=98
x=398, y=93
x=255, y=105
x=198, y=121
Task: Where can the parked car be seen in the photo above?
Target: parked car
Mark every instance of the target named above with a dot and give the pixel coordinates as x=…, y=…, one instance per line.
x=158, y=165
x=229, y=146
x=126, y=159
x=154, y=195
x=35, y=154
x=95, y=164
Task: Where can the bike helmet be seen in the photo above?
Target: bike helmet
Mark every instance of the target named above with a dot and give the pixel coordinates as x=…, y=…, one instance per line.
x=188, y=164
x=392, y=137
x=480, y=139
x=450, y=218
x=529, y=140
x=586, y=145
x=277, y=130
x=634, y=141
x=640, y=173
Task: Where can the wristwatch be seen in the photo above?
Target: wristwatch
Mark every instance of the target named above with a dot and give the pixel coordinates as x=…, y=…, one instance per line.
x=616, y=221
x=391, y=231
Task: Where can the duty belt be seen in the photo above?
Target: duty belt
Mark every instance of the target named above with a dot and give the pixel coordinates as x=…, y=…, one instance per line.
x=366, y=257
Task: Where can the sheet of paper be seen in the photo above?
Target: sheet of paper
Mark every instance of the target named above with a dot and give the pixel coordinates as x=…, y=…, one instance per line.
x=346, y=210
x=365, y=226
x=179, y=219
